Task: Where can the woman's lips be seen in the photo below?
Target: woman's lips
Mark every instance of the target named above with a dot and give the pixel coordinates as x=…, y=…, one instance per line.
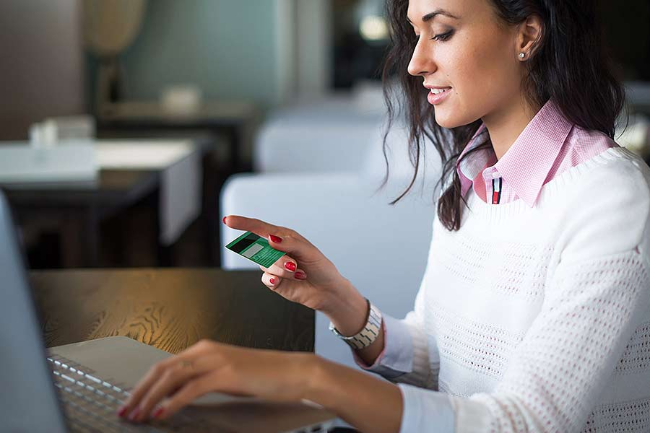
x=439, y=98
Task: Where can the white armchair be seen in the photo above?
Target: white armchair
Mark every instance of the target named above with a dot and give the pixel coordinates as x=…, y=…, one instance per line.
x=330, y=135
x=381, y=249
x=307, y=147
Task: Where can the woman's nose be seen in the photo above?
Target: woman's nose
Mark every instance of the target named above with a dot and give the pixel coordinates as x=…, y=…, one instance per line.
x=422, y=60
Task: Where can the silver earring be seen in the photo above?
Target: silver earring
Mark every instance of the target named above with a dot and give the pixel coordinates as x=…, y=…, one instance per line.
x=522, y=55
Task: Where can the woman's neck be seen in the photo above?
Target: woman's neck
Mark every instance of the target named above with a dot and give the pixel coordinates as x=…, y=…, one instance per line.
x=507, y=123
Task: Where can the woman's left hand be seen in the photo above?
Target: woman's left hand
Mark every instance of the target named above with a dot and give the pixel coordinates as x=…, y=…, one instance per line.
x=209, y=366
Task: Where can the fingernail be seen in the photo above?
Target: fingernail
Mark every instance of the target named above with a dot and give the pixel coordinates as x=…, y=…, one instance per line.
x=275, y=239
x=224, y=220
x=134, y=415
x=158, y=412
x=300, y=275
x=272, y=281
x=122, y=411
x=290, y=266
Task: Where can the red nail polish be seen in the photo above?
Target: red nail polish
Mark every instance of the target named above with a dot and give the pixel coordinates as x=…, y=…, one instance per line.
x=158, y=412
x=290, y=266
x=122, y=411
x=300, y=275
x=134, y=415
x=275, y=239
x=224, y=220
x=272, y=281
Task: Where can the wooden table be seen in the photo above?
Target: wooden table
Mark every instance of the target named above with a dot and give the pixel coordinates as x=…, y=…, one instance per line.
x=170, y=309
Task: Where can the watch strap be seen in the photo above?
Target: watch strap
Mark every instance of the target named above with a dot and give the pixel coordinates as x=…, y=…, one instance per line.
x=368, y=334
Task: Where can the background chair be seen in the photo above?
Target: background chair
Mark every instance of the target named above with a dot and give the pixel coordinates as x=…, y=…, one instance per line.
x=325, y=135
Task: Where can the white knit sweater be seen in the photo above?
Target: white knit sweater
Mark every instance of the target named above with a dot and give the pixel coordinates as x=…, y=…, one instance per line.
x=538, y=319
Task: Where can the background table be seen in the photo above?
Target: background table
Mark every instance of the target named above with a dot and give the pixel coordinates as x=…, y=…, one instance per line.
x=163, y=175
x=233, y=119
x=81, y=208
x=169, y=309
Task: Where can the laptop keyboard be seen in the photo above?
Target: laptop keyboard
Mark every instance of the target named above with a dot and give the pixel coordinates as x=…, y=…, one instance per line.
x=91, y=404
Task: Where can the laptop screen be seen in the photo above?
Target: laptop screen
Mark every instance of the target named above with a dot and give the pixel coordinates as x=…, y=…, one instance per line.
x=28, y=401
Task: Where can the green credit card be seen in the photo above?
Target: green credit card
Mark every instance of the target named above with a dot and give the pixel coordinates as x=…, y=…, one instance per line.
x=255, y=248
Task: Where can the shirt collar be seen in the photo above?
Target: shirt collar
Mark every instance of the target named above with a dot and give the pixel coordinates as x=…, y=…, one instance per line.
x=526, y=165
x=469, y=167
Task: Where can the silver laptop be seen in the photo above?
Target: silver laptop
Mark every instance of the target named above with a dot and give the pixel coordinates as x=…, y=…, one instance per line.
x=78, y=387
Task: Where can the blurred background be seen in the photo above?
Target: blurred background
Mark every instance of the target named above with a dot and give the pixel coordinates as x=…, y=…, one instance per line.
x=113, y=76
x=121, y=120
x=129, y=128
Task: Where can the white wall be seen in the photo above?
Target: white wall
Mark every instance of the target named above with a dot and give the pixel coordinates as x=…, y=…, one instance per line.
x=266, y=51
x=228, y=48
x=285, y=50
x=313, y=47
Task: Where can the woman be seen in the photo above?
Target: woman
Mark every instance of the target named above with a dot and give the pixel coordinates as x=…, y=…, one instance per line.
x=534, y=311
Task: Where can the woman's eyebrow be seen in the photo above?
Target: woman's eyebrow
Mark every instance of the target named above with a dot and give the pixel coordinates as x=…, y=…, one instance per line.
x=432, y=15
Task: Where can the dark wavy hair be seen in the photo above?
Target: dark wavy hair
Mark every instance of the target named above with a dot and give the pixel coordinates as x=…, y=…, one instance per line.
x=569, y=65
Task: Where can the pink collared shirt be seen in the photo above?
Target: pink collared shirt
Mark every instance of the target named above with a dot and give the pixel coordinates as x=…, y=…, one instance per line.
x=548, y=145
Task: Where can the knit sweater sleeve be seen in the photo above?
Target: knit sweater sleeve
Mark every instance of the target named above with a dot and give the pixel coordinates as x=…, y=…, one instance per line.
x=410, y=355
x=426, y=360
x=596, y=297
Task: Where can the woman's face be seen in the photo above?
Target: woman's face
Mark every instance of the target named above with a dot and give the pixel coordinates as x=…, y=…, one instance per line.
x=472, y=54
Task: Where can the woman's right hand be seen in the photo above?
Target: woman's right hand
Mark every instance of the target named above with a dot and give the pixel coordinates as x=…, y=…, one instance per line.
x=304, y=275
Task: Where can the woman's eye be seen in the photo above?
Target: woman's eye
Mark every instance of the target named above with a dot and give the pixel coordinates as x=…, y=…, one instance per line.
x=443, y=36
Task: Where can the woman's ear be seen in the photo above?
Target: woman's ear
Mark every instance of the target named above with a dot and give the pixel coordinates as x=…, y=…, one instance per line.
x=528, y=35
